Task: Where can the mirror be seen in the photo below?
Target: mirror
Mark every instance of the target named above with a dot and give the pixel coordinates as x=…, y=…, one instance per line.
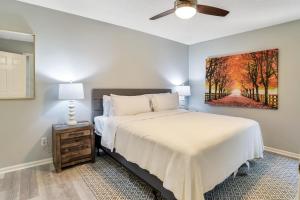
x=17, y=70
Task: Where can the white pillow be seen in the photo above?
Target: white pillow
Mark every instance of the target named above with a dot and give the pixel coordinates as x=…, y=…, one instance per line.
x=150, y=98
x=107, y=105
x=165, y=101
x=129, y=105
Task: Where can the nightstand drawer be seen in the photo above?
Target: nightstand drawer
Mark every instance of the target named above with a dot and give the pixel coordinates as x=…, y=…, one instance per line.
x=77, y=161
x=67, y=143
x=71, y=156
x=75, y=148
x=75, y=134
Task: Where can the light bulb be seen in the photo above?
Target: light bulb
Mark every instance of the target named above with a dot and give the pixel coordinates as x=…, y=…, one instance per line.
x=185, y=12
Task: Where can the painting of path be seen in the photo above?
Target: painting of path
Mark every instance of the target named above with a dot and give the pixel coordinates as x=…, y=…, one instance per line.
x=243, y=80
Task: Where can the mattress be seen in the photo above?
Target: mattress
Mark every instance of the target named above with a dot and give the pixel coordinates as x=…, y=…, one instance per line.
x=190, y=152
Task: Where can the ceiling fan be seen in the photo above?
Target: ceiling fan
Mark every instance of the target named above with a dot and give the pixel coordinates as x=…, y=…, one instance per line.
x=186, y=9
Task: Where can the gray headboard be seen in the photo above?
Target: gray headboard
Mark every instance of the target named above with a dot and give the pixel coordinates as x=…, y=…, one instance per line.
x=97, y=96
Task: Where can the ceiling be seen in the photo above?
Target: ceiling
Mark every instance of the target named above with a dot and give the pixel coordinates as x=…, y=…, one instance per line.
x=245, y=15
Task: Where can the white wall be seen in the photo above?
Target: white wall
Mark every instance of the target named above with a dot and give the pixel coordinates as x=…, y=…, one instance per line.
x=68, y=48
x=281, y=128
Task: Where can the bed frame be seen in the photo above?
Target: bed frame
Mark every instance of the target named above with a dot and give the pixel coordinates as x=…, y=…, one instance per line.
x=97, y=110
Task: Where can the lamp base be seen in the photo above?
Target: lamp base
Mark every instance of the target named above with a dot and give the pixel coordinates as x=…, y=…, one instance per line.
x=182, y=102
x=72, y=121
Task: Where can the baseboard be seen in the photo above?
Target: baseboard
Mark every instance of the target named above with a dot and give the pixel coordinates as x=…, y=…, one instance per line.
x=283, y=153
x=26, y=165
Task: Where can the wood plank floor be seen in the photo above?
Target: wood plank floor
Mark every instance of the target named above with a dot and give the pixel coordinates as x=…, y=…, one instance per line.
x=43, y=182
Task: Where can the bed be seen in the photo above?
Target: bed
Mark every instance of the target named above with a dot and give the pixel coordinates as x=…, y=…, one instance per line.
x=179, y=153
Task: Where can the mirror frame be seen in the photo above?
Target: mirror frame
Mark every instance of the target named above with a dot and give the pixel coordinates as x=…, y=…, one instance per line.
x=34, y=72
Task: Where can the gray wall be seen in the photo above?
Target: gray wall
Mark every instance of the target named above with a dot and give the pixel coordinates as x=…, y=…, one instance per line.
x=74, y=48
x=281, y=128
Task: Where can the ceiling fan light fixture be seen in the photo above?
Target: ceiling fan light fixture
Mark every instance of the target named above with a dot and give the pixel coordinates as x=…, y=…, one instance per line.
x=185, y=9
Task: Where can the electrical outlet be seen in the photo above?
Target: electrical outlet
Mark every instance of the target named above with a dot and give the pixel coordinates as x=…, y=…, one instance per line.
x=44, y=141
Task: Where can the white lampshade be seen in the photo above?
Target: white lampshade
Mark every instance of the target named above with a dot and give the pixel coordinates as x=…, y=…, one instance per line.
x=71, y=91
x=183, y=90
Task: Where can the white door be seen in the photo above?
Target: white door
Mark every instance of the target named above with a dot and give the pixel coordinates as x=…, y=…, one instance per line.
x=12, y=75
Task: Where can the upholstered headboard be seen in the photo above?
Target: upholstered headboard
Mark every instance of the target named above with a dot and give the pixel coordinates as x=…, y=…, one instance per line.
x=97, y=96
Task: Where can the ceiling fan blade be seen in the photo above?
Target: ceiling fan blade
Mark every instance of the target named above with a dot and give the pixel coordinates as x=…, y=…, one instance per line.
x=209, y=10
x=168, y=12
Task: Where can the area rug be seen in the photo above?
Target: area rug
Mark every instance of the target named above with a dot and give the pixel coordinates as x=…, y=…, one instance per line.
x=272, y=178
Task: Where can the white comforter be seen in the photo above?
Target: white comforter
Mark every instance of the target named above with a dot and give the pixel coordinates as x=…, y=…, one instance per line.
x=191, y=152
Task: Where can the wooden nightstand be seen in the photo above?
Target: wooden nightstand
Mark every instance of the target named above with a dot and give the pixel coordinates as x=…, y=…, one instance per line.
x=72, y=144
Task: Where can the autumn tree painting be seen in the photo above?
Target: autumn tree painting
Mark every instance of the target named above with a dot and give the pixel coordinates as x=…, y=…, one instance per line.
x=244, y=80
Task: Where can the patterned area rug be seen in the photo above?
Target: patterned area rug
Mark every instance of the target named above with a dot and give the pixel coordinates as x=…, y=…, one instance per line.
x=272, y=178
